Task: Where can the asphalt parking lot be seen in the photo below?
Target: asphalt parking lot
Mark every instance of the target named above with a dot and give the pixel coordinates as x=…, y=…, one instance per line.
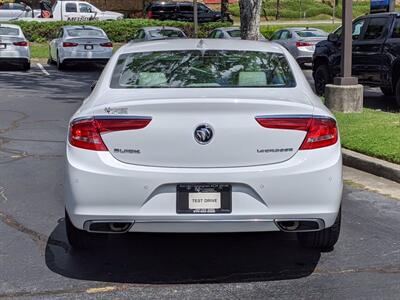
x=36, y=261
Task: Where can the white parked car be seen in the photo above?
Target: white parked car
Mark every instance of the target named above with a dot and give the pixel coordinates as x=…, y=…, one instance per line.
x=203, y=136
x=14, y=47
x=80, y=43
x=11, y=11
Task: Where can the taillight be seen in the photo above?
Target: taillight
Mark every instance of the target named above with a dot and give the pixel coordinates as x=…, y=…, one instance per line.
x=321, y=131
x=108, y=45
x=21, y=44
x=303, y=44
x=86, y=134
x=69, y=44
x=149, y=14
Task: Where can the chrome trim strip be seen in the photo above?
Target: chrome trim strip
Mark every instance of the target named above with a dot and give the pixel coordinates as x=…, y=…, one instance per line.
x=113, y=117
x=295, y=116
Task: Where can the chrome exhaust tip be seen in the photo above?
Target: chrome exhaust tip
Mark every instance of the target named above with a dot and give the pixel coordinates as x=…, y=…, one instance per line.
x=304, y=225
x=100, y=226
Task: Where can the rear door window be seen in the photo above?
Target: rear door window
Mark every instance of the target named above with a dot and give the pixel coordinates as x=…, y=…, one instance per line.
x=71, y=7
x=396, y=29
x=375, y=29
x=9, y=31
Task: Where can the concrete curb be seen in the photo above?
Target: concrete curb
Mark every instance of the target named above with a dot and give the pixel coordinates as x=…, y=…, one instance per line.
x=371, y=165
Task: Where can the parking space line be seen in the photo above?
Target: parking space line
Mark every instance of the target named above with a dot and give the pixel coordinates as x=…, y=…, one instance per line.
x=42, y=69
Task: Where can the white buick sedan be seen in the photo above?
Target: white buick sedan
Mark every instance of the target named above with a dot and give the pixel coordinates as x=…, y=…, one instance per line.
x=80, y=43
x=14, y=47
x=203, y=136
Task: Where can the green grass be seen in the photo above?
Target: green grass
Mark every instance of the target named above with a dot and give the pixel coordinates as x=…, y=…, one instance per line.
x=374, y=133
x=39, y=50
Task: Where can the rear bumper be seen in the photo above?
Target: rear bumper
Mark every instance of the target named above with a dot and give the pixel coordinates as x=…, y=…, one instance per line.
x=86, y=60
x=308, y=186
x=14, y=60
x=90, y=56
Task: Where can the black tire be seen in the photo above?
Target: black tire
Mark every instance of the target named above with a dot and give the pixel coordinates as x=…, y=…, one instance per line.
x=81, y=240
x=26, y=66
x=324, y=239
x=322, y=77
x=60, y=65
x=387, y=91
x=398, y=92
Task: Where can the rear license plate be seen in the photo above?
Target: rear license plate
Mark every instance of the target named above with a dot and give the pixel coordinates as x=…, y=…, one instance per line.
x=3, y=46
x=88, y=47
x=203, y=199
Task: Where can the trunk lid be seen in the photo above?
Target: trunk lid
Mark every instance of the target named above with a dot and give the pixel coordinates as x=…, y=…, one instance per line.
x=88, y=43
x=237, y=138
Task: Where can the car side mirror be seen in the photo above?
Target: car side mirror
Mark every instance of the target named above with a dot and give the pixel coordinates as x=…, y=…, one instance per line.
x=93, y=85
x=333, y=38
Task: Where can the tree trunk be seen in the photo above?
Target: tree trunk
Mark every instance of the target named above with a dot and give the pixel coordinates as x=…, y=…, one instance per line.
x=278, y=4
x=250, y=19
x=224, y=10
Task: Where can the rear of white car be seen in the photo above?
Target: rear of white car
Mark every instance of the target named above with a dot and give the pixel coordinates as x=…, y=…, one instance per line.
x=203, y=136
x=14, y=47
x=82, y=44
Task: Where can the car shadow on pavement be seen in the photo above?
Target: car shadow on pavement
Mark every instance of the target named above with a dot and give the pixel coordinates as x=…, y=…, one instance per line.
x=183, y=258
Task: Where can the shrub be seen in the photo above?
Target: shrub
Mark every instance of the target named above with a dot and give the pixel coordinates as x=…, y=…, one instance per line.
x=119, y=31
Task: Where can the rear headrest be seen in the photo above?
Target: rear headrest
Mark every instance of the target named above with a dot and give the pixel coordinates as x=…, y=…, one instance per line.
x=151, y=79
x=252, y=79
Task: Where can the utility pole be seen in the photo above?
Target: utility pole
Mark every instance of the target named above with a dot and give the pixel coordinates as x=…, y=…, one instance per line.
x=195, y=19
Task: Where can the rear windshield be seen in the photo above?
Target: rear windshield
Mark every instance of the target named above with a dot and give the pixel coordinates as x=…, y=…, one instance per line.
x=203, y=69
x=311, y=33
x=9, y=31
x=166, y=33
x=85, y=32
x=234, y=33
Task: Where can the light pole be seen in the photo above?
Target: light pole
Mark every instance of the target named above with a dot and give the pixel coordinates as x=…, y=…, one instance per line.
x=195, y=19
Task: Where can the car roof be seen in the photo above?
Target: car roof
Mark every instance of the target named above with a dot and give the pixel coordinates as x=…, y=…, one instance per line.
x=81, y=27
x=383, y=14
x=228, y=28
x=201, y=44
x=10, y=26
x=161, y=28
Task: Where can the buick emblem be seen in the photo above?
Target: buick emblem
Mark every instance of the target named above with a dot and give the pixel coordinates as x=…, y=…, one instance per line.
x=203, y=134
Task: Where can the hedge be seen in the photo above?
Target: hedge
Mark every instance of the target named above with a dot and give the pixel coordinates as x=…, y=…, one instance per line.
x=118, y=31
x=123, y=30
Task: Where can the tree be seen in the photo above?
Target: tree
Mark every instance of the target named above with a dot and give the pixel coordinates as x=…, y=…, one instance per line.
x=250, y=19
x=224, y=9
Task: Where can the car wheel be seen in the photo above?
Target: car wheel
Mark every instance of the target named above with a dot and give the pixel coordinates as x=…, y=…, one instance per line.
x=80, y=239
x=321, y=79
x=387, y=91
x=26, y=66
x=324, y=239
x=60, y=65
x=398, y=92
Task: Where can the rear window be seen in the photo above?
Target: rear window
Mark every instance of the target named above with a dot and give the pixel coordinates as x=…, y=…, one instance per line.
x=311, y=33
x=85, y=32
x=202, y=69
x=234, y=33
x=166, y=33
x=9, y=31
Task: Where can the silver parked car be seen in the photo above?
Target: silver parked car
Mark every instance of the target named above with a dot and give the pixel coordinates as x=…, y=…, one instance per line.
x=300, y=42
x=14, y=47
x=10, y=11
x=80, y=43
x=232, y=33
x=158, y=33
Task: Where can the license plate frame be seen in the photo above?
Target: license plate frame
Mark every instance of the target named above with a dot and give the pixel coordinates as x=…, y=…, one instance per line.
x=183, y=191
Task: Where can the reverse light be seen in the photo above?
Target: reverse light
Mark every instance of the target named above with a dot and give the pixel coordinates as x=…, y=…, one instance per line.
x=108, y=45
x=69, y=44
x=321, y=131
x=21, y=44
x=303, y=44
x=86, y=133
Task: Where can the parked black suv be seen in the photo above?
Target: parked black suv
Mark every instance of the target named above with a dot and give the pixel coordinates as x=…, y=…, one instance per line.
x=376, y=54
x=182, y=11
